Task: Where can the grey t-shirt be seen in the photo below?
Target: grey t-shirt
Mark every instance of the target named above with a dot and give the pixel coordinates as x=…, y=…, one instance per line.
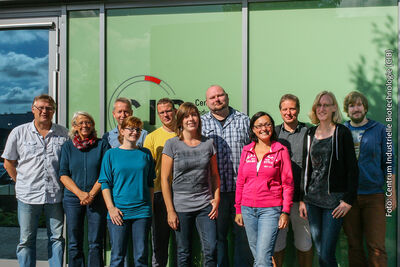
x=317, y=195
x=191, y=173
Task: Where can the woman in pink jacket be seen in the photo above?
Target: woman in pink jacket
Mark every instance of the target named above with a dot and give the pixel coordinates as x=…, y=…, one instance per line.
x=264, y=188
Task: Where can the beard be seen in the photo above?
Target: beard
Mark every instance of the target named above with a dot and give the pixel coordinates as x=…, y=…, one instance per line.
x=219, y=108
x=357, y=120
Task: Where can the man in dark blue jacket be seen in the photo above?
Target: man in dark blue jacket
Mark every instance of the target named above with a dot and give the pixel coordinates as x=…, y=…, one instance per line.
x=374, y=151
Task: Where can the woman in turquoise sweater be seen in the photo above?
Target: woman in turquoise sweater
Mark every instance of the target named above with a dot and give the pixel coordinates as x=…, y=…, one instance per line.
x=126, y=179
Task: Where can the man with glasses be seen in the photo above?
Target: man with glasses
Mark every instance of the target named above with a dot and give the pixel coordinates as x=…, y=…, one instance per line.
x=229, y=129
x=155, y=143
x=31, y=158
x=122, y=109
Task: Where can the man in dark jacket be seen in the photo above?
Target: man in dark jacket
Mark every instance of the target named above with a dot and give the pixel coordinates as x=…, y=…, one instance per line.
x=291, y=133
x=366, y=218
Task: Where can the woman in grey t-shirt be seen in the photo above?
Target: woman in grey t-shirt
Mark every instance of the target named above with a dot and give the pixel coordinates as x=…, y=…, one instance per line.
x=191, y=158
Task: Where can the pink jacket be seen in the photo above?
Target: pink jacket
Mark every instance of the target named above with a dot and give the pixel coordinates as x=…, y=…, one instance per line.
x=272, y=185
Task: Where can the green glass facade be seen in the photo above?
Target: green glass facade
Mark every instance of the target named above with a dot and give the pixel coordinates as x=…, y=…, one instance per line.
x=83, y=63
x=303, y=48
x=174, y=52
x=299, y=47
x=256, y=50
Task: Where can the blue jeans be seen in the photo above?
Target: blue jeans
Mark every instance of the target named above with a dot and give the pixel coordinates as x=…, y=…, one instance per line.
x=119, y=235
x=325, y=233
x=28, y=218
x=207, y=230
x=261, y=226
x=242, y=256
x=96, y=217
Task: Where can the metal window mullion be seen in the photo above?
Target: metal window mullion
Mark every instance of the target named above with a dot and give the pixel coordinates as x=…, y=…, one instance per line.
x=82, y=7
x=163, y=3
x=63, y=72
x=245, y=56
x=32, y=25
x=29, y=12
x=102, y=66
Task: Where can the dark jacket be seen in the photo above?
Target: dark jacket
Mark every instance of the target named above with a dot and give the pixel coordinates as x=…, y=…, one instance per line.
x=83, y=166
x=343, y=168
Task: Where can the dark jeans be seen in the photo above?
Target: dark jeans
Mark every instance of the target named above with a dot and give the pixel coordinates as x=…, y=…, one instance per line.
x=242, y=256
x=366, y=219
x=325, y=233
x=160, y=232
x=75, y=217
x=208, y=236
x=119, y=235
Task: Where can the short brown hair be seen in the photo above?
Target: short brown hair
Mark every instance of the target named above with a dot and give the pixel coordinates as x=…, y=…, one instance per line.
x=352, y=98
x=184, y=110
x=45, y=97
x=336, y=116
x=290, y=97
x=130, y=121
x=166, y=100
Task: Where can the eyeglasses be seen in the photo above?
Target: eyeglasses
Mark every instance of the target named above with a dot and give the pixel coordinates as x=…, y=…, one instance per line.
x=41, y=109
x=260, y=126
x=165, y=112
x=324, y=105
x=138, y=130
x=81, y=123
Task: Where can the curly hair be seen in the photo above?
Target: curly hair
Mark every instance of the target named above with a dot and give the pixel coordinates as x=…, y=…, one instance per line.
x=72, y=131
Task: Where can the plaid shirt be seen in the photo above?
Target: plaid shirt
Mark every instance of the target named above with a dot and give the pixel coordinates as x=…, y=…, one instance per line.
x=229, y=141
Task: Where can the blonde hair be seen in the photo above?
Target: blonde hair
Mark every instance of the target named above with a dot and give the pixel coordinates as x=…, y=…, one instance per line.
x=72, y=131
x=336, y=116
x=131, y=121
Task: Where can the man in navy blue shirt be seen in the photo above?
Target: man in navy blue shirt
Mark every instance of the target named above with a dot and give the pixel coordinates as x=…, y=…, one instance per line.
x=366, y=219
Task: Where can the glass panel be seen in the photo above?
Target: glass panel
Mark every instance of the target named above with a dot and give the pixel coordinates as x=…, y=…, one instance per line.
x=23, y=74
x=304, y=47
x=83, y=63
x=24, y=67
x=175, y=52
